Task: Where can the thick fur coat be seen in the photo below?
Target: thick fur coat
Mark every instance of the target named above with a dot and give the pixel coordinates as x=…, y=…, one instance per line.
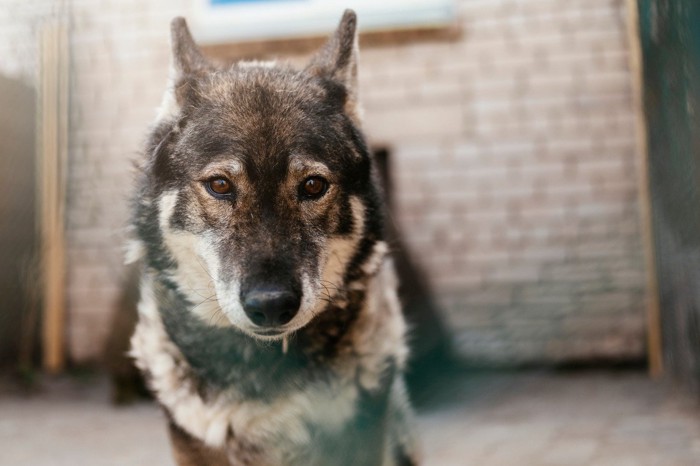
x=269, y=325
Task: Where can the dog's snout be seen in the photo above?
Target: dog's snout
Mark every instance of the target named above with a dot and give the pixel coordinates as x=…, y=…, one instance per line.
x=269, y=307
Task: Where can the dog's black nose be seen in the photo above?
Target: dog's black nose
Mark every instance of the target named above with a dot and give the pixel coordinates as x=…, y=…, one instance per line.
x=269, y=307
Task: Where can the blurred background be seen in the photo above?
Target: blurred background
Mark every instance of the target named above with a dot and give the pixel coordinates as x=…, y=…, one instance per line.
x=541, y=163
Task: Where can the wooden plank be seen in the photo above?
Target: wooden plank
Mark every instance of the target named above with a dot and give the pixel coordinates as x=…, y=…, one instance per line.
x=255, y=49
x=654, y=340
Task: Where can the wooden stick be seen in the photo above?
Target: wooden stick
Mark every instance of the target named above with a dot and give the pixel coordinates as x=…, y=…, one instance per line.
x=53, y=147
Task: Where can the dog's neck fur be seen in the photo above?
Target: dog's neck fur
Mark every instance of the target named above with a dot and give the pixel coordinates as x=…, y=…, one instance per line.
x=223, y=357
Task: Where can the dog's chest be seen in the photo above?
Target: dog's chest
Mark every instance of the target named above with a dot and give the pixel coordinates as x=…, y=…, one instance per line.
x=292, y=424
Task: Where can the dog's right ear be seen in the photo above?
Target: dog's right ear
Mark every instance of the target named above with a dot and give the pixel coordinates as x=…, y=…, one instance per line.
x=186, y=63
x=337, y=60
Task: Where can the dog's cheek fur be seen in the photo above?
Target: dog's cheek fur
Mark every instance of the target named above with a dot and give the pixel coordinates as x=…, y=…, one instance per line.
x=339, y=250
x=196, y=262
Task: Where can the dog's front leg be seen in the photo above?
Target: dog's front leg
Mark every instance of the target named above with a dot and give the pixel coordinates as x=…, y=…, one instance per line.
x=189, y=451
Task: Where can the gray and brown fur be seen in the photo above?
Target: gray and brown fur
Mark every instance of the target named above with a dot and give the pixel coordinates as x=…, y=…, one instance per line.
x=323, y=385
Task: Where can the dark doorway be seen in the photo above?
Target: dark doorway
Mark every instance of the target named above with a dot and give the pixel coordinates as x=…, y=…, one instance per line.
x=17, y=215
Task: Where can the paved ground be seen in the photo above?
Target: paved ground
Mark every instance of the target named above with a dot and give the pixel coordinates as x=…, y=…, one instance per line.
x=531, y=418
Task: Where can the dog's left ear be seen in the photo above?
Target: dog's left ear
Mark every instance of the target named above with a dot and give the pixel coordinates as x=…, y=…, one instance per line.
x=337, y=60
x=186, y=56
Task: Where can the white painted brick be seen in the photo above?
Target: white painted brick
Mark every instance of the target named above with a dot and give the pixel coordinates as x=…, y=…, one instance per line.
x=434, y=121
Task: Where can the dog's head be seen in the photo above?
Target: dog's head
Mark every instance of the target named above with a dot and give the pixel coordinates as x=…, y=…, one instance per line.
x=258, y=199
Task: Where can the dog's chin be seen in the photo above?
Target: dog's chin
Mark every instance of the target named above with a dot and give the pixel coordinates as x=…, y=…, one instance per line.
x=266, y=334
x=271, y=336
x=258, y=333
x=278, y=333
x=274, y=334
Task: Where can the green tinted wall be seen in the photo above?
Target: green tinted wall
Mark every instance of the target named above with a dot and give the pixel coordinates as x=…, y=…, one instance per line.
x=670, y=36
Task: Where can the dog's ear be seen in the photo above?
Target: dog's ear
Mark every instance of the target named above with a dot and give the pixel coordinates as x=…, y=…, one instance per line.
x=337, y=60
x=186, y=58
x=186, y=63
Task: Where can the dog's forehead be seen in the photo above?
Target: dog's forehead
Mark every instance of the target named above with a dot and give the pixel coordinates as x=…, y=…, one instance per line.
x=262, y=115
x=249, y=91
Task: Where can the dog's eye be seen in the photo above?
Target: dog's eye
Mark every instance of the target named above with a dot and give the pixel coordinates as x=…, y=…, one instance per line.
x=313, y=187
x=219, y=187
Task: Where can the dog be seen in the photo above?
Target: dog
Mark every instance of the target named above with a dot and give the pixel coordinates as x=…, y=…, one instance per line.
x=269, y=325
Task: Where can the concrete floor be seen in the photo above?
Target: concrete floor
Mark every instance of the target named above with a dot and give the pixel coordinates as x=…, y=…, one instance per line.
x=527, y=418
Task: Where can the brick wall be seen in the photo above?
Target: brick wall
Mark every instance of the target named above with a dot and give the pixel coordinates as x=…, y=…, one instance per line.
x=514, y=155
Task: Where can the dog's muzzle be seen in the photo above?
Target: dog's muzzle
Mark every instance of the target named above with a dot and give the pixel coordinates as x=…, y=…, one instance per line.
x=270, y=306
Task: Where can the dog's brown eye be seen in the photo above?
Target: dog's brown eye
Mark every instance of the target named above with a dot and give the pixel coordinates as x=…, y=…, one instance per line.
x=314, y=187
x=219, y=187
